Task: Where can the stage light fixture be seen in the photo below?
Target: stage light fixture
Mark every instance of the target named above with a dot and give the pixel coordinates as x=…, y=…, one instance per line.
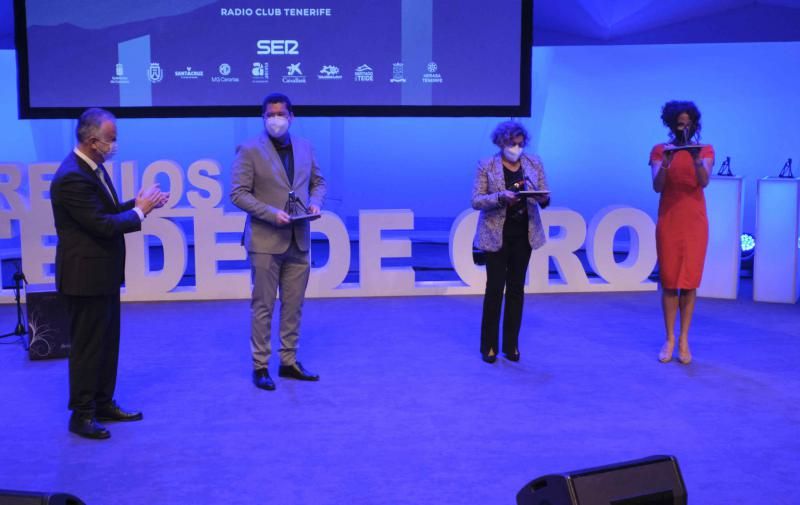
x=748, y=243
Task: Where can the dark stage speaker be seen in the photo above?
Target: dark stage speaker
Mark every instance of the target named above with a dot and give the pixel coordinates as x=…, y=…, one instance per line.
x=29, y=498
x=655, y=480
x=48, y=324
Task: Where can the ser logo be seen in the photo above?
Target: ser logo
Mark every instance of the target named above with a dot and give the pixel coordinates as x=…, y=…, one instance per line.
x=278, y=47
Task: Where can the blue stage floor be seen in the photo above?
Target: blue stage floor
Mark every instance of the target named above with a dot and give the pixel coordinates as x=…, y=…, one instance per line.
x=407, y=413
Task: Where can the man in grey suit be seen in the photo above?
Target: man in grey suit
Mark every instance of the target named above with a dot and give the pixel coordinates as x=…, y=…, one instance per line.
x=266, y=170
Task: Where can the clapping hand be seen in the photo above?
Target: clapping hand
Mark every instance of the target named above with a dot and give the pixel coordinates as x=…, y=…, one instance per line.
x=164, y=199
x=149, y=199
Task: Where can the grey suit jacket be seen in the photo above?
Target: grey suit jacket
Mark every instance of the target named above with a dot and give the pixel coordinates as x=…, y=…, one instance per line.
x=261, y=188
x=489, y=182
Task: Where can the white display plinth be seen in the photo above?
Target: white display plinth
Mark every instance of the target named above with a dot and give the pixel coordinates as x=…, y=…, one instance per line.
x=723, y=258
x=775, y=266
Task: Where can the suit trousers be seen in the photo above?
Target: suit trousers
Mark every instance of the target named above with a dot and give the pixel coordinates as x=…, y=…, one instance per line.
x=94, y=351
x=285, y=275
x=505, y=269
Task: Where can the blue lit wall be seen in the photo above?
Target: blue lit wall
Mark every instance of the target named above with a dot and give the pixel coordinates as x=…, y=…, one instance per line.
x=600, y=114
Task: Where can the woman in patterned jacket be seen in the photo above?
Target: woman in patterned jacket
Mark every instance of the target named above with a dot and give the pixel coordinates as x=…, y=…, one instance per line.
x=509, y=228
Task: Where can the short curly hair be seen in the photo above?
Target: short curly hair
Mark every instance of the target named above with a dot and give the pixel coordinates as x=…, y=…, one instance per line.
x=505, y=132
x=674, y=108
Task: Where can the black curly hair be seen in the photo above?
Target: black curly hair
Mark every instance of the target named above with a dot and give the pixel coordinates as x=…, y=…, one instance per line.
x=505, y=133
x=674, y=108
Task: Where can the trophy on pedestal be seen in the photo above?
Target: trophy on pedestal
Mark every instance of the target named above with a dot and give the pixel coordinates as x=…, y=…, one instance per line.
x=297, y=210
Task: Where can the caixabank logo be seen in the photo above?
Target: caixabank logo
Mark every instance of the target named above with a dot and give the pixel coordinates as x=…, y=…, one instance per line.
x=294, y=74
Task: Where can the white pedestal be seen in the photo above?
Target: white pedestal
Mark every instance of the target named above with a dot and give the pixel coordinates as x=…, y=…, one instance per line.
x=775, y=266
x=723, y=258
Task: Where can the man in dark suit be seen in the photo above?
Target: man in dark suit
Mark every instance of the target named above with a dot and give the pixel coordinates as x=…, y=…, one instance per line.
x=90, y=223
x=266, y=171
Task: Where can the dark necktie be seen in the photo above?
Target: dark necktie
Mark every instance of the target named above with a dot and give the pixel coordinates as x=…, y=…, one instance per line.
x=106, y=180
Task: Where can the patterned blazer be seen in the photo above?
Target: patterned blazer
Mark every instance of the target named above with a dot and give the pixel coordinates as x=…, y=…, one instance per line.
x=489, y=182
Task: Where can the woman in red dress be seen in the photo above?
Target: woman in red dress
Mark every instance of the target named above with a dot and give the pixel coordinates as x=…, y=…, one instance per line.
x=681, y=169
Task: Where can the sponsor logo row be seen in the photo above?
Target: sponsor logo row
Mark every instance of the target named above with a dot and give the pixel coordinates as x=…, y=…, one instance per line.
x=292, y=73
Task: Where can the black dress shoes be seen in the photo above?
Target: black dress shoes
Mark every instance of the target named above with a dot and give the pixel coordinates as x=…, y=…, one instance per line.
x=489, y=358
x=297, y=371
x=87, y=427
x=512, y=356
x=113, y=412
x=262, y=379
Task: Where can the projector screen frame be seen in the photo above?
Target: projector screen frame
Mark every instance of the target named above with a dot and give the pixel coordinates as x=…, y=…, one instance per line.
x=523, y=109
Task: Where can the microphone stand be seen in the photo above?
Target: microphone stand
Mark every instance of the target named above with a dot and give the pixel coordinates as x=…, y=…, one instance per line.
x=19, y=329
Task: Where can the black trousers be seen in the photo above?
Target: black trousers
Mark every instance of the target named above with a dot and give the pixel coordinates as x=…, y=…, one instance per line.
x=94, y=353
x=505, y=269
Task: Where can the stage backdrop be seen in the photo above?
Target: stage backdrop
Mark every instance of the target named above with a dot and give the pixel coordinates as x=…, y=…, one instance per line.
x=202, y=58
x=595, y=118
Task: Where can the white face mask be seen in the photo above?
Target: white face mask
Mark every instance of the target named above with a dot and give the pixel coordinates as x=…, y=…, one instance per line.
x=112, y=149
x=512, y=153
x=277, y=126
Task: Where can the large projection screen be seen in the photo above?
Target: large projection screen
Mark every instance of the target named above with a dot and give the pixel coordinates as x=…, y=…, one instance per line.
x=195, y=58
